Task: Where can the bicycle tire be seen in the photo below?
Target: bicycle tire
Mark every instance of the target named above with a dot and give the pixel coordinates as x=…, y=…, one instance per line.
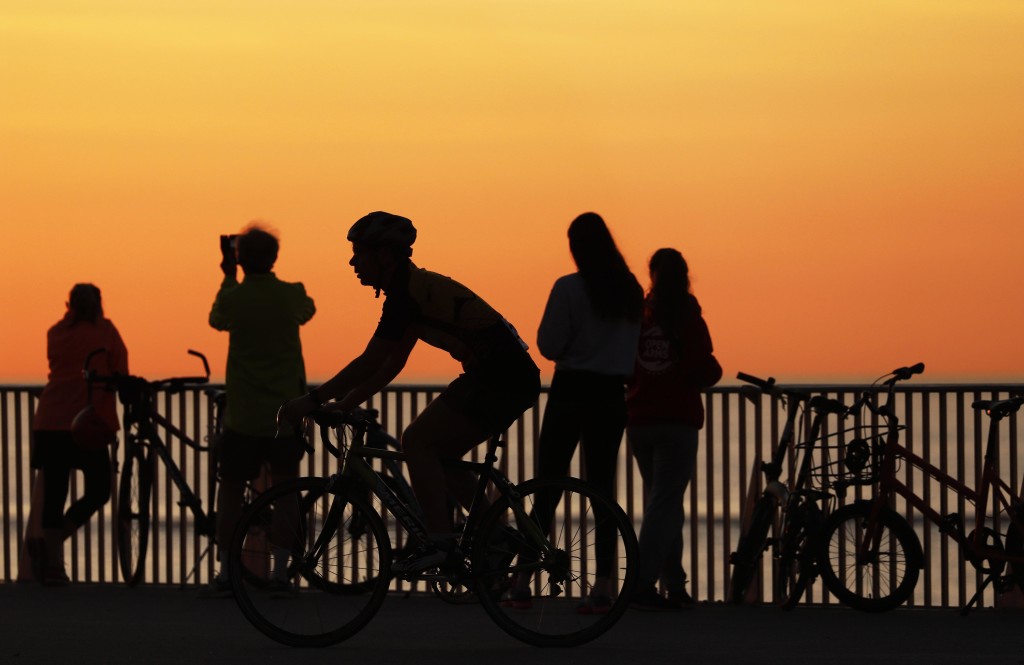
x=133, y=517
x=747, y=557
x=883, y=581
x=794, y=570
x=1015, y=549
x=561, y=578
x=331, y=596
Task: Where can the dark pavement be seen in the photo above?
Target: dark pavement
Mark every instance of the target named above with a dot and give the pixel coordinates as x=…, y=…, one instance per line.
x=108, y=624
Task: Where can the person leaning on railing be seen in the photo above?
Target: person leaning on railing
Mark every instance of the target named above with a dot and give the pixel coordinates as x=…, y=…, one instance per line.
x=55, y=451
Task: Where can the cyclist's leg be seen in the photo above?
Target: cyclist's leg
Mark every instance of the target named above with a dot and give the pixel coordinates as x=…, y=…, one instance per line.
x=439, y=432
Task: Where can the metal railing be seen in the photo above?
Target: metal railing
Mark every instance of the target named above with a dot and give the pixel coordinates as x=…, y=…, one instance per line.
x=941, y=426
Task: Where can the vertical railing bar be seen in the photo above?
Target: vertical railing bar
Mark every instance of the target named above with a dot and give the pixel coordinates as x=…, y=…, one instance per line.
x=726, y=480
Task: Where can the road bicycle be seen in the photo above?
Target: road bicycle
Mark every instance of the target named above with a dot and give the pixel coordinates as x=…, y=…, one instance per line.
x=337, y=554
x=143, y=446
x=790, y=510
x=871, y=556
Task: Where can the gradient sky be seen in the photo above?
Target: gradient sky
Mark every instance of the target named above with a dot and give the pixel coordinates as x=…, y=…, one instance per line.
x=845, y=179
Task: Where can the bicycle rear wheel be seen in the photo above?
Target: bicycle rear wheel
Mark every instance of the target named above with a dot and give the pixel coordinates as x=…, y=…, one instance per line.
x=555, y=568
x=337, y=556
x=876, y=580
x=795, y=571
x=747, y=557
x=134, y=489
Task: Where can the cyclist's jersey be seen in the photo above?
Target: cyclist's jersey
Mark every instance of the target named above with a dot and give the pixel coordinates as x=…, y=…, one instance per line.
x=446, y=314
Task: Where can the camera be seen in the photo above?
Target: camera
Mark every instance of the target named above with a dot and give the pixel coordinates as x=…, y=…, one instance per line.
x=228, y=245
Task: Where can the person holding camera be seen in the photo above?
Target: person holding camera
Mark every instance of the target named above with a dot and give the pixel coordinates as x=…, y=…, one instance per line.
x=262, y=315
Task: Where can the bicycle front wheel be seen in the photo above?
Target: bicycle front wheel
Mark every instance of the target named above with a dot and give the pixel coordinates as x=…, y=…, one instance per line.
x=872, y=578
x=324, y=555
x=558, y=567
x=134, y=490
x=747, y=557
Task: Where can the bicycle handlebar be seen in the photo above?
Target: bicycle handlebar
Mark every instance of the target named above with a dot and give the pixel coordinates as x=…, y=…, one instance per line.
x=327, y=419
x=768, y=387
x=119, y=381
x=904, y=373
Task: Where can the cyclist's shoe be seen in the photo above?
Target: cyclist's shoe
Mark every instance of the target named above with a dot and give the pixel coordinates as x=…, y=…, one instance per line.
x=519, y=599
x=595, y=604
x=423, y=558
x=504, y=548
x=649, y=600
x=219, y=587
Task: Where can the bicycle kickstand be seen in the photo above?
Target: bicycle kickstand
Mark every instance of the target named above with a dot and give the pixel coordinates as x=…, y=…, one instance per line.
x=989, y=579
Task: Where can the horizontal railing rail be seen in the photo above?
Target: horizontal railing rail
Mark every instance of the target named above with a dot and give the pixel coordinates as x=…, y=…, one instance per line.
x=941, y=427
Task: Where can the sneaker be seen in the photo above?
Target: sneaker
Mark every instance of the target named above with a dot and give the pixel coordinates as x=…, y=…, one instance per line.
x=503, y=550
x=595, y=604
x=219, y=587
x=426, y=556
x=649, y=600
x=518, y=599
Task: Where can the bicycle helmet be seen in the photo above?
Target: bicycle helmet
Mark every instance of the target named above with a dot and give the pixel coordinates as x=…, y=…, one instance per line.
x=90, y=431
x=383, y=228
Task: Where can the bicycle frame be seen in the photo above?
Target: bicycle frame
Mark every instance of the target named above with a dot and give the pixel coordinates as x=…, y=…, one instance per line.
x=890, y=485
x=143, y=429
x=974, y=545
x=356, y=472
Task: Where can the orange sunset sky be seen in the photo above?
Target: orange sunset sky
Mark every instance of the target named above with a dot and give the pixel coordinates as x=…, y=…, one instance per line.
x=846, y=179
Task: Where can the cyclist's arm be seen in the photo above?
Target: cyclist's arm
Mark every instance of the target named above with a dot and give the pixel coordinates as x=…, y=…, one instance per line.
x=393, y=362
x=373, y=369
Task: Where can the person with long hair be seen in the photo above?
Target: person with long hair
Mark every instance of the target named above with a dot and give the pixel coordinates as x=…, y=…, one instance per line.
x=55, y=452
x=590, y=329
x=674, y=362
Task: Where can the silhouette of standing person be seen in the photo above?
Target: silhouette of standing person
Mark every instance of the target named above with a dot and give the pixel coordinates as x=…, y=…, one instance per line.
x=674, y=362
x=265, y=368
x=55, y=451
x=590, y=329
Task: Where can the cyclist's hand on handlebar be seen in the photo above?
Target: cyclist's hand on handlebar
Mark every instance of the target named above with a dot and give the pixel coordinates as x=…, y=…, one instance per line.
x=294, y=410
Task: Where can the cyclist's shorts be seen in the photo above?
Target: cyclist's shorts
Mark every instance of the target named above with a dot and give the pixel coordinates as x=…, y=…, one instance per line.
x=492, y=399
x=240, y=456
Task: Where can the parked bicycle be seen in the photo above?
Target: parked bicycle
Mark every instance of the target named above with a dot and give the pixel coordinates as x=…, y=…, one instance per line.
x=339, y=552
x=143, y=446
x=871, y=557
x=790, y=511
